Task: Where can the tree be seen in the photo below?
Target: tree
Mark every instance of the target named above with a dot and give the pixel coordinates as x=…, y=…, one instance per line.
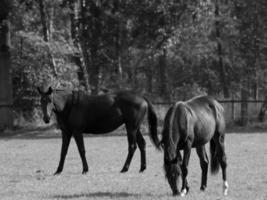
x=220, y=61
x=6, y=119
x=251, y=16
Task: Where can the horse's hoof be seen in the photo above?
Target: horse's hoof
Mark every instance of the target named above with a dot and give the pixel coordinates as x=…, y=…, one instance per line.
x=85, y=171
x=225, y=188
x=184, y=192
x=203, y=188
x=124, y=170
x=57, y=173
x=176, y=193
x=142, y=169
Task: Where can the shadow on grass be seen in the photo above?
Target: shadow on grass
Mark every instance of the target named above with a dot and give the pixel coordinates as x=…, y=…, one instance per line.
x=32, y=133
x=97, y=194
x=50, y=131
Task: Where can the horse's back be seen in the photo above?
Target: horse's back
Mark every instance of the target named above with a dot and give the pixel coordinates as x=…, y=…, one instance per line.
x=95, y=114
x=130, y=98
x=104, y=113
x=206, y=105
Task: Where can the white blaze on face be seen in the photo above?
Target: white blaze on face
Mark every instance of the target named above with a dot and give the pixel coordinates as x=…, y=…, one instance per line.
x=50, y=107
x=225, y=188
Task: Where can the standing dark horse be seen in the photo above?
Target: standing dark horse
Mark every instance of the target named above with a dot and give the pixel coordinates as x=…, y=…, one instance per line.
x=193, y=124
x=78, y=113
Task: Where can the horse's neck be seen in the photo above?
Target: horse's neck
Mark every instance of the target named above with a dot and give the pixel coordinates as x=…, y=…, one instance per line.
x=180, y=123
x=60, y=100
x=178, y=105
x=170, y=136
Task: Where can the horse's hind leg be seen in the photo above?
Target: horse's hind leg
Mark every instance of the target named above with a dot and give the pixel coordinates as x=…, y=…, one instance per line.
x=142, y=146
x=204, y=163
x=80, y=144
x=223, y=161
x=131, y=136
x=184, y=167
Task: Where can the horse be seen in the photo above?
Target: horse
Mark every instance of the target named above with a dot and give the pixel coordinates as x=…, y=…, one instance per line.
x=77, y=113
x=192, y=124
x=263, y=110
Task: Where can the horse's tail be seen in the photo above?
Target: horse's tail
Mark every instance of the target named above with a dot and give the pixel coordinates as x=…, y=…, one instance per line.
x=214, y=164
x=153, y=124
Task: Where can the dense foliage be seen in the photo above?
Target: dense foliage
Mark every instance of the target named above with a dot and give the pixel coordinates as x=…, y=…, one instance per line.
x=167, y=49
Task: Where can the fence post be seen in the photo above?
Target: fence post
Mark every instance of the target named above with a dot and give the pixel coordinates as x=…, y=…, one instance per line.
x=244, y=107
x=233, y=110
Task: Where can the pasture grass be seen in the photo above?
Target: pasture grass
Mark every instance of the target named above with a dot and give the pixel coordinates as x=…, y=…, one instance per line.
x=27, y=165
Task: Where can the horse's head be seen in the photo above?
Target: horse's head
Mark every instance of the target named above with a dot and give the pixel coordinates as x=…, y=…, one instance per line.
x=46, y=103
x=172, y=168
x=172, y=159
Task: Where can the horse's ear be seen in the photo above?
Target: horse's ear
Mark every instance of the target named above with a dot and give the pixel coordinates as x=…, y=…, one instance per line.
x=38, y=89
x=50, y=90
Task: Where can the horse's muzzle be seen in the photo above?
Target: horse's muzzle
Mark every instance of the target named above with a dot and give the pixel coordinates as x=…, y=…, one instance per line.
x=46, y=120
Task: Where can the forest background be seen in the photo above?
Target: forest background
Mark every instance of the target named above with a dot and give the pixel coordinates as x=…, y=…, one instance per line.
x=167, y=50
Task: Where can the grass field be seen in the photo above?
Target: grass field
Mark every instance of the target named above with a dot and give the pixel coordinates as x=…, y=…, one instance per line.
x=27, y=166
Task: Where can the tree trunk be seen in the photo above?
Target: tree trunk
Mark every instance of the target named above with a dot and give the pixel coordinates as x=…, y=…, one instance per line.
x=256, y=90
x=51, y=22
x=47, y=32
x=119, y=52
x=220, y=51
x=6, y=118
x=43, y=20
x=244, y=106
x=94, y=71
x=149, y=74
x=74, y=18
x=76, y=33
x=82, y=44
x=163, y=88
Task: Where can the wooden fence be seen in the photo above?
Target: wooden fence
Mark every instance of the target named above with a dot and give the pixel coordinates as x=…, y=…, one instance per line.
x=232, y=109
x=233, y=113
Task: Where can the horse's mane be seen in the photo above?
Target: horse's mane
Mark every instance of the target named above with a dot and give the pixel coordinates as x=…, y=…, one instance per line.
x=172, y=117
x=184, y=108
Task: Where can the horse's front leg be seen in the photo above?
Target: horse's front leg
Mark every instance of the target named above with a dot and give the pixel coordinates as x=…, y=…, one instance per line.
x=131, y=136
x=184, y=167
x=64, y=149
x=80, y=144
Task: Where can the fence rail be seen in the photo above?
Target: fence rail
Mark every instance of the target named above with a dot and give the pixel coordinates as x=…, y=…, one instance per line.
x=36, y=104
x=232, y=109
x=221, y=101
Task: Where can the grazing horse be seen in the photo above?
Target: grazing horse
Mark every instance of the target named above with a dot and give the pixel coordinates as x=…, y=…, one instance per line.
x=192, y=124
x=77, y=113
x=263, y=110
